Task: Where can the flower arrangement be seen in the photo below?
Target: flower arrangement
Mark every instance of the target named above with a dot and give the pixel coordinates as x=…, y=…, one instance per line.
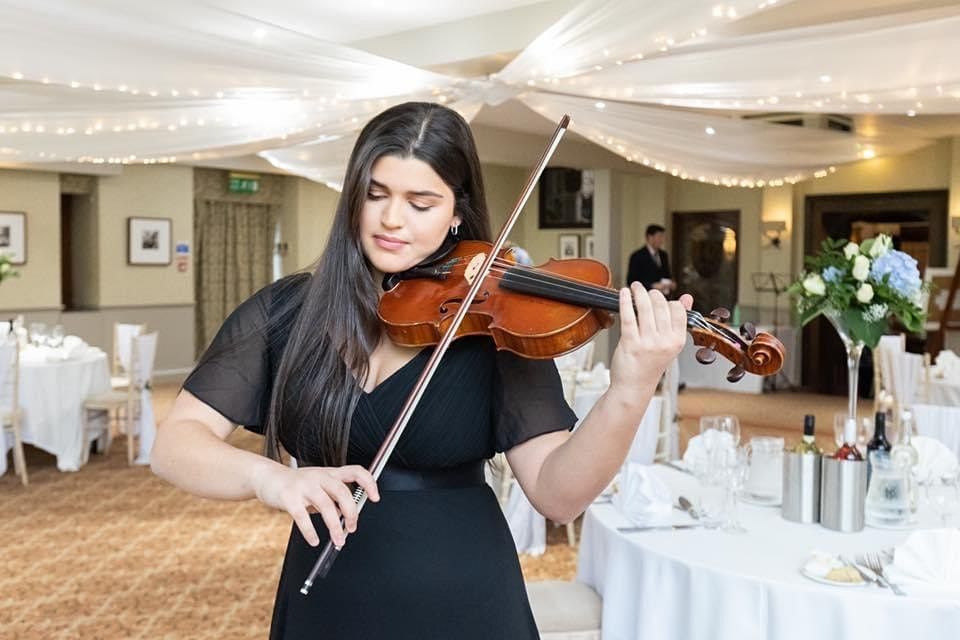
x=858, y=287
x=6, y=268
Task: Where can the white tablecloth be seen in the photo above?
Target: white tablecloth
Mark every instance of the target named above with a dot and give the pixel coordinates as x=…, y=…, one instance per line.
x=714, y=376
x=697, y=583
x=51, y=397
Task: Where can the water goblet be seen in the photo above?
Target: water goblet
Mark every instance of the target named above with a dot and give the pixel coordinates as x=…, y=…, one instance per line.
x=736, y=466
x=55, y=339
x=38, y=334
x=943, y=494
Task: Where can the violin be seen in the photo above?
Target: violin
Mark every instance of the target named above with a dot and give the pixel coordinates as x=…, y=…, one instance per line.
x=543, y=311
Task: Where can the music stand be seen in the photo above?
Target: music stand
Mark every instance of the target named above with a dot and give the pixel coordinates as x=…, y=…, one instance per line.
x=775, y=283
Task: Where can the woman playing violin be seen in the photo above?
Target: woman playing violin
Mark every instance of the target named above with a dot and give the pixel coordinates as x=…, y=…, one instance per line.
x=306, y=362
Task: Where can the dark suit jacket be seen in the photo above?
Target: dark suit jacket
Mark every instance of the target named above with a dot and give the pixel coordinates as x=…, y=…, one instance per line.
x=644, y=270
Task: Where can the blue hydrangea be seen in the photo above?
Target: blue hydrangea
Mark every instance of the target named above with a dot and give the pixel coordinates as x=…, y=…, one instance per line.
x=902, y=270
x=832, y=274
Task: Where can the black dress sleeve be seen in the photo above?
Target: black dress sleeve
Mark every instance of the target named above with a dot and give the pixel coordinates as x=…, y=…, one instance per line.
x=527, y=400
x=234, y=376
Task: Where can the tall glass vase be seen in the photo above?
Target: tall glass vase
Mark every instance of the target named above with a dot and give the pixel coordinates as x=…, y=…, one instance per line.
x=854, y=351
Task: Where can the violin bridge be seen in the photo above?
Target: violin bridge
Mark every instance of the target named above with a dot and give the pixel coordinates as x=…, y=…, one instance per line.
x=473, y=267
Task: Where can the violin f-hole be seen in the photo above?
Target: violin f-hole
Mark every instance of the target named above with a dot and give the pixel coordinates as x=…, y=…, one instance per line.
x=483, y=297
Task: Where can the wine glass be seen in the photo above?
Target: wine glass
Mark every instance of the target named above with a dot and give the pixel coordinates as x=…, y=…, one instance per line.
x=38, y=334
x=839, y=425
x=731, y=425
x=736, y=467
x=56, y=336
x=943, y=494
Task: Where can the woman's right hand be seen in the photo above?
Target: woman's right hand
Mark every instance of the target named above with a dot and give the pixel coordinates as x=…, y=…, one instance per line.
x=320, y=490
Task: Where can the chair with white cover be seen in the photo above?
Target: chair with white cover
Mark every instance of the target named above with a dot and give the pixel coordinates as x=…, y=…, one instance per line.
x=11, y=415
x=668, y=440
x=565, y=610
x=131, y=407
x=884, y=358
x=942, y=423
x=123, y=335
x=580, y=359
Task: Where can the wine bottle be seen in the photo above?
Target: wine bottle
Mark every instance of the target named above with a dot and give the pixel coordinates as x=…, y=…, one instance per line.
x=878, y=442
x=808, y=443
x=849, y=449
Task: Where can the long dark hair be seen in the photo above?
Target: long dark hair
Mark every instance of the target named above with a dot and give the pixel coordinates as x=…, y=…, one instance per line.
x=325, y=363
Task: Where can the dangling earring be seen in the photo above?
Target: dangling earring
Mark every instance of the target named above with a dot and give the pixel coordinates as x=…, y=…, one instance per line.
x=454, y=229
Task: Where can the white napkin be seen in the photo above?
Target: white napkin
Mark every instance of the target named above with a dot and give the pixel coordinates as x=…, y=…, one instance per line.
x=928, y=564
x=947, y=365
x=73, y=346
x=596, y=378
x=697, y=447
x=934, y=459
x=643, y=497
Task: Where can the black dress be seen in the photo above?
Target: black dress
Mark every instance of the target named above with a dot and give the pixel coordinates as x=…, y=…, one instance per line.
x=429, y=563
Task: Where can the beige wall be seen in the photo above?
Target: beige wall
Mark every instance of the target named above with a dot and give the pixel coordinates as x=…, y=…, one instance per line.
x=306, y=220
x=151, y=192
x=38, y=195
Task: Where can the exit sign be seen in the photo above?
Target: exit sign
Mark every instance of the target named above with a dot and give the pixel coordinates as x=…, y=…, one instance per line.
x=243, y=183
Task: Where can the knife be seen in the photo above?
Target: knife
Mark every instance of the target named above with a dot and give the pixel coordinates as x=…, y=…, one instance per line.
x=662, y=527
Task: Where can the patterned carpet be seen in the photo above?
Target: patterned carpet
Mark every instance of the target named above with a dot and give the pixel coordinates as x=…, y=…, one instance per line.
x=112, y=552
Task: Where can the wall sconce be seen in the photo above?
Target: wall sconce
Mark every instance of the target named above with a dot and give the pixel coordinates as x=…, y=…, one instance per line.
x=955, y=223
x=772, y=230
x=282, y=248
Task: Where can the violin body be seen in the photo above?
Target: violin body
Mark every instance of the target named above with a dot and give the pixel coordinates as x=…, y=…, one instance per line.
x=417, y=312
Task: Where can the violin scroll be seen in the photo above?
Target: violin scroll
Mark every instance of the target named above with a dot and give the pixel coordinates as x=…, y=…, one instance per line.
x=751, y=351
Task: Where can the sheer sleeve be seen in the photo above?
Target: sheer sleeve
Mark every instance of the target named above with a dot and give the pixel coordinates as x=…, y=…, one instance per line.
x=233, y=376
x=527, y=400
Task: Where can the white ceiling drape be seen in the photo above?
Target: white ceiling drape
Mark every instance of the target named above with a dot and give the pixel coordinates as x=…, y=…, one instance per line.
x=660, y=83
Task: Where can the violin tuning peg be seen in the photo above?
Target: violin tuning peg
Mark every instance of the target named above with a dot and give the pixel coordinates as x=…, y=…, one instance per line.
x=748, y=331
x=720, y=314
x=706, y=355
x=735, y=374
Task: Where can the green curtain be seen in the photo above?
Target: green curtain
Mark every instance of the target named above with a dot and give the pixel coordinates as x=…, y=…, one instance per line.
x=234, y=257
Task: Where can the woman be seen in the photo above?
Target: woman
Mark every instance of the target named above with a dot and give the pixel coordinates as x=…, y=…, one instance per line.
x=305, y=362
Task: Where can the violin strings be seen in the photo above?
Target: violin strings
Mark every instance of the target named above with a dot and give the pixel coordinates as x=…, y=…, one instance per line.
x=599, y=294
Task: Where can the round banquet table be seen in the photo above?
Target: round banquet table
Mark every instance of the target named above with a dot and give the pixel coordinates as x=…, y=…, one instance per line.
x=698, y=583
x=52, y=391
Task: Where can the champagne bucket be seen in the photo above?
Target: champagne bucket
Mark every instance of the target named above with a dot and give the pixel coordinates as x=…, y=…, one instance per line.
x=801, y=487
x=843, y=493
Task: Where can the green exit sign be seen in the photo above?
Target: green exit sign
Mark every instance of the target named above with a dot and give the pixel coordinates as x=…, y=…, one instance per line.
x=243, y=183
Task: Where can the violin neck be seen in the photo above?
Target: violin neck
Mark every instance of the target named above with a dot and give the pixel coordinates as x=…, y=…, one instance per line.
x=551, y=286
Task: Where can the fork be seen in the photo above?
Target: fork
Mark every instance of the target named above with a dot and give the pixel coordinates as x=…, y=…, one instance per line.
x=874, y=563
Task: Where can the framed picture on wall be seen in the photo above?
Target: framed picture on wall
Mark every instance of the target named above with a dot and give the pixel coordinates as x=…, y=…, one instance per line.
x=569, y=246
x=588, y=246
x=13, y=236
x=148, y=240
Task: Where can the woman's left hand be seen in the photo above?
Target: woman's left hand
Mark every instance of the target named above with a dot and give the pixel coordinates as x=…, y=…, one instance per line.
x=653, y=331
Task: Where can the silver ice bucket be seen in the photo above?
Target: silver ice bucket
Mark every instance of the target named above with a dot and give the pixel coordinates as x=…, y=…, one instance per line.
x=843, y=494
x=801, y=487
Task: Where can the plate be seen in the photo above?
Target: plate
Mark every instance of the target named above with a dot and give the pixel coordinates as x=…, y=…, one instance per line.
x=760, y=502
x=832, y=583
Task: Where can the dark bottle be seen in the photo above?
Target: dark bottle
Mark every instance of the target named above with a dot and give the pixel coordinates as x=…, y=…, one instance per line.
x=808, y=444
x=879, y=440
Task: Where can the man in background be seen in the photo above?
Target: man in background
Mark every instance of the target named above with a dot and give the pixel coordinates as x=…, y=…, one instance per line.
x=649, y=265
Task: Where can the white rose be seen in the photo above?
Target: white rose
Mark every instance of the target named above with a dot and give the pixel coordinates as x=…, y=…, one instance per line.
x=861, y=268
x=881, y=244
x=814, y=284
x=851, y=250
x=865, y=293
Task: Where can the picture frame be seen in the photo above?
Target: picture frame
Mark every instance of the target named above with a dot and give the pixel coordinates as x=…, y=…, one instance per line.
x=588, y=248
x=936, y=301
x=149, y=241
x=565, y=199
x=13, y=236
x=569, y=246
